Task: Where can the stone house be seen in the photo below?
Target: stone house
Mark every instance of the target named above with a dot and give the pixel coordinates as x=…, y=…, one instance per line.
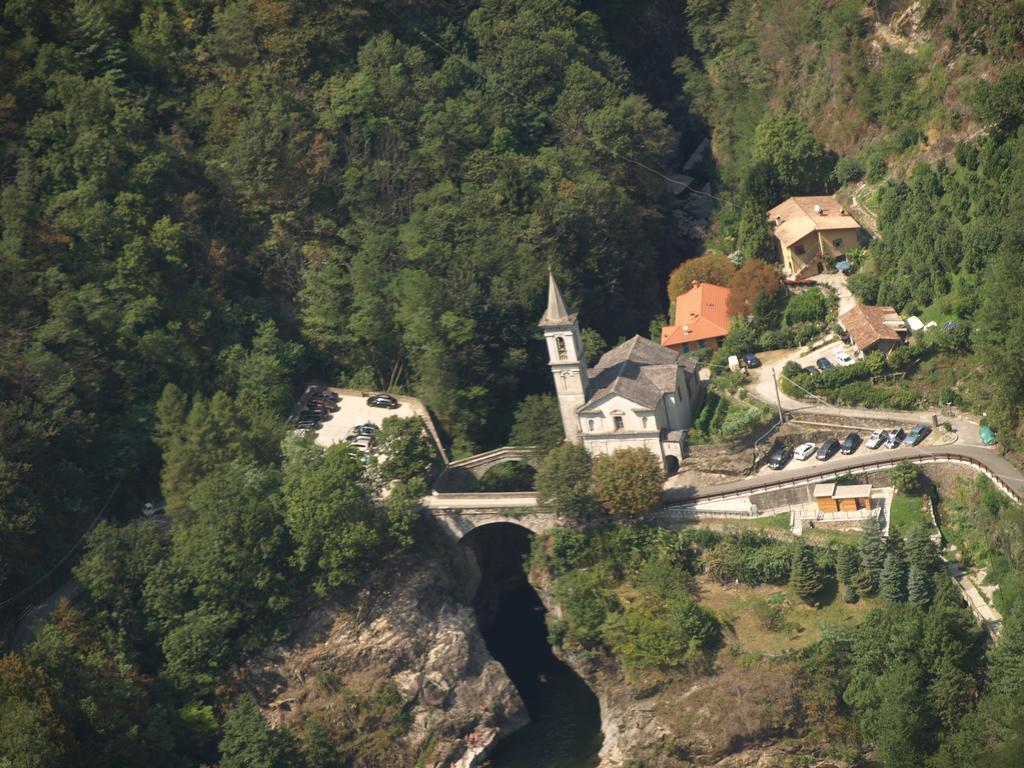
x=872, y=328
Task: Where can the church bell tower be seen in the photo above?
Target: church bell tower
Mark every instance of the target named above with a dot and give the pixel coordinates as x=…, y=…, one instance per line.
x=565, y=357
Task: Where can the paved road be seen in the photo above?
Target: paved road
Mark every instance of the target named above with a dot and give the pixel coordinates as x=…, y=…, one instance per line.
x=762, y=387
x=864, y=458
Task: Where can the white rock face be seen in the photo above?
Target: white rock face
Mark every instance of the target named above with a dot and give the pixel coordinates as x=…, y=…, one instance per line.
x=406, y=629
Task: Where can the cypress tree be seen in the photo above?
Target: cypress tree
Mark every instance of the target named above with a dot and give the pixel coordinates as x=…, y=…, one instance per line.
x=893, y=579
x=805, y=576
x=872, y=548
x=917, y=588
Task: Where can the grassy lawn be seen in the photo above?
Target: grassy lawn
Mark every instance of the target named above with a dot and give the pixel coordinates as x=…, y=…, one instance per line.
x=907, y=511
x=771, y=620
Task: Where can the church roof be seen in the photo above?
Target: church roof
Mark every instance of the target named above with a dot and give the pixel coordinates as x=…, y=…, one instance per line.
x=556, y=313
x=638, y=370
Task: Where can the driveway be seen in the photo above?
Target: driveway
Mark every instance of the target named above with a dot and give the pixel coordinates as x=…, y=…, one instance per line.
x=838, y=282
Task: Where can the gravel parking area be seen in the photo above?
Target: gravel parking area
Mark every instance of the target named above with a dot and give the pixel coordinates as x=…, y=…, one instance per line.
x=353, y=410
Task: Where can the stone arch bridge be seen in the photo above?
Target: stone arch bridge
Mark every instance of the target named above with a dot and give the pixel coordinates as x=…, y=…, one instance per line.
x=457, y=473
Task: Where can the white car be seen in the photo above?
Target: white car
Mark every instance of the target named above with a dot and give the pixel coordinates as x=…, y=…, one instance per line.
x=804, y=451
x=844, y=359
x=878, y=437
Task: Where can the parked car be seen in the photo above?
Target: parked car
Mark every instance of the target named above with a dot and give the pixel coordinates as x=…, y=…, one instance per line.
x=810, y=369
x=877, y=438
x=363, y=442
x=307, y=424
x=328, y=395
x=844, y=359
x=850, y=444
x=327, y=405
x=823, y=363
x=804, y=451
x=827, y=449
x=917, y=434
x=779, y=456
x=895, y=438
x=382, y=401
x=750, y=360
x=365, y=429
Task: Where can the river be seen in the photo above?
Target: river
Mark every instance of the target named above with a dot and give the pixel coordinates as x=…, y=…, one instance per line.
x=565, y=719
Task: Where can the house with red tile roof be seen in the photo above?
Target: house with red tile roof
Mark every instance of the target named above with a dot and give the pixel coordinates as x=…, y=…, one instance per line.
x=702, y=319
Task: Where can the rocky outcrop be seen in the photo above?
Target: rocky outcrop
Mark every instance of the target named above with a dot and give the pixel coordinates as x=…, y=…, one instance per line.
x=399, y=676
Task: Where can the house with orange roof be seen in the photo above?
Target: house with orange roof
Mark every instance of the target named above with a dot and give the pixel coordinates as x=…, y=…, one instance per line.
x=702, y=319
x=810, y=230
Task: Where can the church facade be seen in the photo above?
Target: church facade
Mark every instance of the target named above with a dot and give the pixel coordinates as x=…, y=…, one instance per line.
x=638, y=394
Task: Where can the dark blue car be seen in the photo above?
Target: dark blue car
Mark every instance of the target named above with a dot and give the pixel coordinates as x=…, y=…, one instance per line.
x=750, y=360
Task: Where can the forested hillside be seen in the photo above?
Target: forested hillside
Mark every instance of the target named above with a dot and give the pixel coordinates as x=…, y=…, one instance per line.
x=912, y=111
x=230, y=196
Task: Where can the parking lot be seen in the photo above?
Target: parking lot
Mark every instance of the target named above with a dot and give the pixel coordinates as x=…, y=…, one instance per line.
x=862, y=449
x=353, y=410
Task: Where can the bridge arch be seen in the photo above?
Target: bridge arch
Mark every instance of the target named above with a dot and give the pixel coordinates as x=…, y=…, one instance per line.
x=458, y=473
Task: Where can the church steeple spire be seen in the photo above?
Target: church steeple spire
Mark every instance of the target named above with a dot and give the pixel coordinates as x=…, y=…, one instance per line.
x=565, y=358
x=556, y=313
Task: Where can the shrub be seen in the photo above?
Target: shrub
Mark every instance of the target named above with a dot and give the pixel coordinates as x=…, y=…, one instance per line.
x=905, y=476
x=662, y=633
x=586, y=599
x=847, y=169
x=806, y=306
x=876, y=168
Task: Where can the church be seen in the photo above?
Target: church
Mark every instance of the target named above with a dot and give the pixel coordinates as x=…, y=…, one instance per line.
x=639, y=394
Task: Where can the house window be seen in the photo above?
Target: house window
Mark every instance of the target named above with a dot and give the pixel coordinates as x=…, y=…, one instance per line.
x=838, y=242
x=560, y=346
x=702, y=344
x=686, y=347
x=590, y=424
x=798, y=249
x=618, y=423
x=643, y=421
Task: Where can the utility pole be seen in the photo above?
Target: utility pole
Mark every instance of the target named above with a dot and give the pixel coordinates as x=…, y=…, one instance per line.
x=778, y=397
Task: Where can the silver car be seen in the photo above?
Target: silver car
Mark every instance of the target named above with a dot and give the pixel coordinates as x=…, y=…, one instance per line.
x=877, y=438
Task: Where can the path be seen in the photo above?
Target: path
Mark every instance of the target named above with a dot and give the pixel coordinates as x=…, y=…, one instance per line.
x=991, y=619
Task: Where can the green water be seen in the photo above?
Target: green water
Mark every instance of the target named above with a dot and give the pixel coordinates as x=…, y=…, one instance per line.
x=565, y=718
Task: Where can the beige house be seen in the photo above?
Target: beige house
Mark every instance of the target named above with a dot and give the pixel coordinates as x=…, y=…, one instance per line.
x=811, y=231
x=639, y=394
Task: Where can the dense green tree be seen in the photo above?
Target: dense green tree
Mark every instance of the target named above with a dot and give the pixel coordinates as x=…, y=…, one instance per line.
x=797, y=160
x=872, y=549
x=905, y=476
x=538, y=423
x=406, y=449
x=806, y=307
x=893, y=577
x=920, y=550
x=805, y=576
x=329, y=513
x=918, y=588
x=847, y=562
x=249, y=743
x=627, y=482
x=563, y=482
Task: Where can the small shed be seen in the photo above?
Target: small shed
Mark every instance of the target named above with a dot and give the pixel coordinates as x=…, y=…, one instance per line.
x=831, y=497
x=915, y=324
